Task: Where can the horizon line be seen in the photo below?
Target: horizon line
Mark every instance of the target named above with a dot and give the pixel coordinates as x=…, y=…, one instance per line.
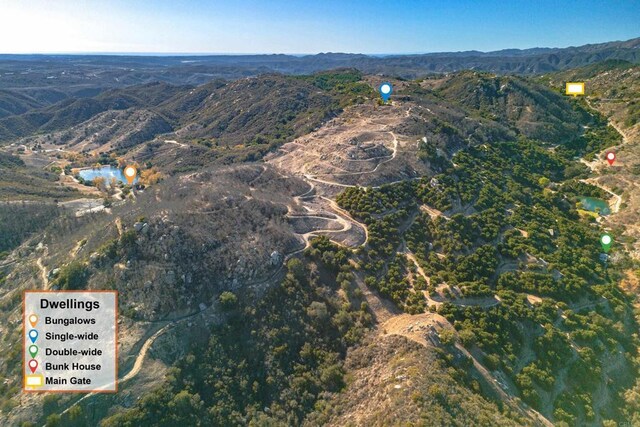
x=204, y=54
x=195, y=54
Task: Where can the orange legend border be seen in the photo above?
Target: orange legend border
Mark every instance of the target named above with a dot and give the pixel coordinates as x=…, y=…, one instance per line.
x=24, y=322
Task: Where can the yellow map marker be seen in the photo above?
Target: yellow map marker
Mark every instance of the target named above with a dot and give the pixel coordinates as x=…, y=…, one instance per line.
x=130, y=173
x=574, y=88
x=33, y=381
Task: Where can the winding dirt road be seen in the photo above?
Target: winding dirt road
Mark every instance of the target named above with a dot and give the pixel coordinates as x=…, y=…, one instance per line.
x=43, y=273
x=337, y=214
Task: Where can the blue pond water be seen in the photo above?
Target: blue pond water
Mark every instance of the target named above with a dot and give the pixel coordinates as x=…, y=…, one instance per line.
x=106, y=172
x=594, y=204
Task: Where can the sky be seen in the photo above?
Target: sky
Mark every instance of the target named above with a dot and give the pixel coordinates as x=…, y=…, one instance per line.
x=309, y=26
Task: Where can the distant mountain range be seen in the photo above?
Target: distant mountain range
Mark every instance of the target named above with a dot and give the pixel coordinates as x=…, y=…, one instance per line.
x=123, y=70
x=45, y=93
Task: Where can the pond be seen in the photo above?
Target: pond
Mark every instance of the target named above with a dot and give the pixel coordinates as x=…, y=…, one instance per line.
x=595, y=204
x=106, y=172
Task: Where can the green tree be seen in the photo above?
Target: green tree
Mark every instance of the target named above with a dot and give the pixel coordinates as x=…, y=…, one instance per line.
x=54, y=420
x=228, y=299
x=73, y=276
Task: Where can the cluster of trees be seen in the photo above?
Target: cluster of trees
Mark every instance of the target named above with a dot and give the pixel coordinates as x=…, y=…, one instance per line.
x=597, y=136
x=150, y=176
x=581, y=189
x=383, y=210
x=270, y=363
x=73, y=276
x=545, y=225
x=518, y=200
x=395, y=285
x=439, y=191
x=428, y=153
x=332, y=256
x=367, y=203
x=347, y=86
x=384, y=237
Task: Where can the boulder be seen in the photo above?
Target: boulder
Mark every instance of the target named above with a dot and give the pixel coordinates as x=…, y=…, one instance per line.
x=276, y=258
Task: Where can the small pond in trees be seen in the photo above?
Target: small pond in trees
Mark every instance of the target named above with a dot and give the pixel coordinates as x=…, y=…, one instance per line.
x=106, y=172
x=595, y=204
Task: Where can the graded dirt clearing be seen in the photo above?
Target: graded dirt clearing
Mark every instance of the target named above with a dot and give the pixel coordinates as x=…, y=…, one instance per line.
x=420, y=328
x=359, y=148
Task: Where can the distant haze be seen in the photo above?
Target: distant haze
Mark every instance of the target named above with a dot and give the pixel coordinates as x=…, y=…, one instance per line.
x=306, y=26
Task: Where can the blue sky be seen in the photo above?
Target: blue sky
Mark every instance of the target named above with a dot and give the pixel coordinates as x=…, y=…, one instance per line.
x=309, y=26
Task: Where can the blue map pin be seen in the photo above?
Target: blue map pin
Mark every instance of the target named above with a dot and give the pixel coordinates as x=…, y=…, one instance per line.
x=385, y=91
x=33, y=335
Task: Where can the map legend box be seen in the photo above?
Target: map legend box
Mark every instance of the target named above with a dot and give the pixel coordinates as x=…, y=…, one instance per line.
x=70, y=341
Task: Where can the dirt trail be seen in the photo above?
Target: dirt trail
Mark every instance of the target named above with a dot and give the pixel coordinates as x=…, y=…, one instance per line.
x=414, y=260
x=137, y=366
x=43, y=274
x=382, y=309
x=433, y=213
x=334, y=213
x=324, y=181
x=118, y=222
x=508, y=398
x=306, y=237
x=76, y=248
x=140, y=358
x=422, y=328
x=174, y=142
x=483, y=302
x=348, y=217
x=146, y=346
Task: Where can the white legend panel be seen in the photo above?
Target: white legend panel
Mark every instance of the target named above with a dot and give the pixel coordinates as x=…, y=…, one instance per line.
x=70, y=341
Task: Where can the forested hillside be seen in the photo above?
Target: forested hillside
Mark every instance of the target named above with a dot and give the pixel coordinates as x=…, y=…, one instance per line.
x=547, y=314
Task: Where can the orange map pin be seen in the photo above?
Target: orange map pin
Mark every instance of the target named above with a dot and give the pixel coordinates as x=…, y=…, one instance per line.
x=130, y=173
x=33, y=319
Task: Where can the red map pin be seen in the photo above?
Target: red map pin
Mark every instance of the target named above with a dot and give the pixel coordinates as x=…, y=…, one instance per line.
x=611, y=157
x=33, y=365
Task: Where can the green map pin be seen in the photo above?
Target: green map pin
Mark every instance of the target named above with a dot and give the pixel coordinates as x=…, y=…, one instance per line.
x=605, y=241
x=33, y=350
